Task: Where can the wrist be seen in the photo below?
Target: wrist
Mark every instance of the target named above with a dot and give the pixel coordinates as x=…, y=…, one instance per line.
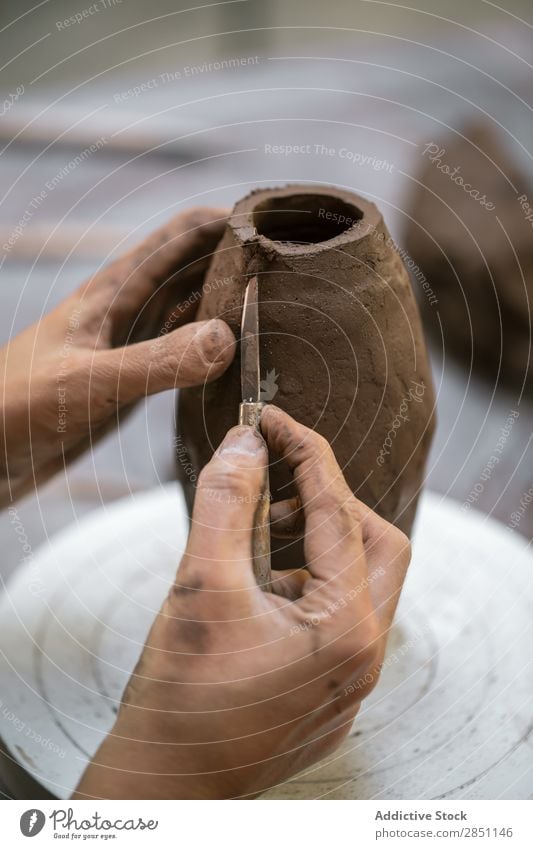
x=137, y=761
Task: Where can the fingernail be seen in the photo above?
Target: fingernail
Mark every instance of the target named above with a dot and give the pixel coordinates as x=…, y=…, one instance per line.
x=214, y=339
x=241, y=440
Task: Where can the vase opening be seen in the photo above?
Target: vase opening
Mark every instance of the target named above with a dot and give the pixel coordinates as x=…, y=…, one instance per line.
x=304, y=219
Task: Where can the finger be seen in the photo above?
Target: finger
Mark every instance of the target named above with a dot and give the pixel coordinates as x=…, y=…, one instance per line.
x=287, y=519
x=333, y=536
x=190, y=356
x=229, y=492
x=178, y=248
x=388, y=553
x=289, y=583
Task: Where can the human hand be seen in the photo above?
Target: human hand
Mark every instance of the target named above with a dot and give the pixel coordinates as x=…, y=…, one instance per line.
x=238, y=689
x=67, y=378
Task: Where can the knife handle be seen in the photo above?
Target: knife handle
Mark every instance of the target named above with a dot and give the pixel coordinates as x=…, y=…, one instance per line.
x=250, y=415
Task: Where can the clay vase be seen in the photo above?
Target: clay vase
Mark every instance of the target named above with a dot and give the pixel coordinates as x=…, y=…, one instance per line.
x=470, y=245
x=341, y=346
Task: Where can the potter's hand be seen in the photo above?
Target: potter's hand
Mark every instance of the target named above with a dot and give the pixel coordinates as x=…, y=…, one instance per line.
x=110, y=343
x=237, y=689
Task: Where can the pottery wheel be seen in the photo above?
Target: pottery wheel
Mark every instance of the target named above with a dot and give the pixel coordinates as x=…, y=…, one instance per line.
x=451, y=718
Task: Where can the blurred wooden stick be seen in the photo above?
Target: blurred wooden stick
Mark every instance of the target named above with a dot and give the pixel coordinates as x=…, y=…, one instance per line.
x=82, y=239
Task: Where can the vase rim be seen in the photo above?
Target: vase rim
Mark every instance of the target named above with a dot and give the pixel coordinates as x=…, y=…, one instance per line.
x=365, y=217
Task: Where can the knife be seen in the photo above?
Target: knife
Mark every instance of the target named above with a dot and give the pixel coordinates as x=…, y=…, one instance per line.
x=250, y=414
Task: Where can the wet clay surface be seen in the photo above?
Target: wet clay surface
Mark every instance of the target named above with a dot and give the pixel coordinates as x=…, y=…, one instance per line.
x=340, y=331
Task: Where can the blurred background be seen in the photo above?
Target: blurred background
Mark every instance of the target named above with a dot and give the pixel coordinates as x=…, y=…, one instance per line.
x=133, y=111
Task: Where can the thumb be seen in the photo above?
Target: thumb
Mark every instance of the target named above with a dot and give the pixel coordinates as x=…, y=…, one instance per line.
x=230, y=487
x=189, y=356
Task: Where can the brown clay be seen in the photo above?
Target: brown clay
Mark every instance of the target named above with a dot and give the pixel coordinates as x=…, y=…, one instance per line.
x=340, y=330
x=477, y=257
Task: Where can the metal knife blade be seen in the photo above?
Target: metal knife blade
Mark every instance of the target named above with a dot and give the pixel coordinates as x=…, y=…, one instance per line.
x=250, y=375
x=250, y=414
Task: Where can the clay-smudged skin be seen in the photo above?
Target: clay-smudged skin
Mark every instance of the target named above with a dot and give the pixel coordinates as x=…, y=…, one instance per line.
x=340, y=328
